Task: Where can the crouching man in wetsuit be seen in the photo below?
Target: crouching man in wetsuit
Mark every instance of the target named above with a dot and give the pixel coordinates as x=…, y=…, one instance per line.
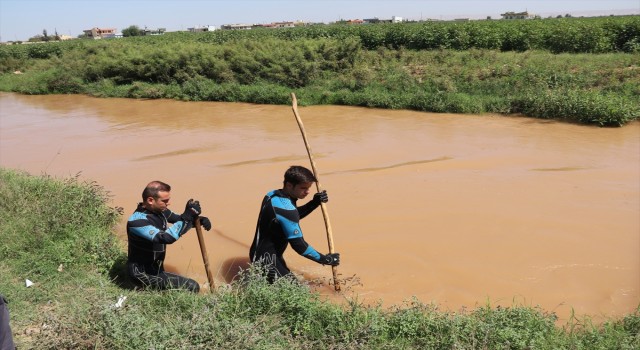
x=279, y=224
x=148, y=234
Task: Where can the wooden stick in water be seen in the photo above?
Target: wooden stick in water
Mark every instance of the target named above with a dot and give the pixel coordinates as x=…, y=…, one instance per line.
x=325, y=213
x=205, y=256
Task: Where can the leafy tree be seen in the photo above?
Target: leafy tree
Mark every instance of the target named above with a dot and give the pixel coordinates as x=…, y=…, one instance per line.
x=132, y=31
x=45, y=37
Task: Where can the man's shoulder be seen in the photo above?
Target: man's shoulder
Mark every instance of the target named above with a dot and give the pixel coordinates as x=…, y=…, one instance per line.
x=139, y=214
x=282, y=202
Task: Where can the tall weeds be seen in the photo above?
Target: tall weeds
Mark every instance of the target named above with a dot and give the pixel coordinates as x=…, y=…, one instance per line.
x=576, y=70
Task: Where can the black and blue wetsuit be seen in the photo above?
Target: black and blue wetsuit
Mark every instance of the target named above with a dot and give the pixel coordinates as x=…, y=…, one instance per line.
x=279, y=225
x=148, y=234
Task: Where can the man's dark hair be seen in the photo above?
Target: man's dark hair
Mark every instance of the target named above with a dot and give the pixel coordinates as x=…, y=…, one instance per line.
x=298, y=174
x=153, y=188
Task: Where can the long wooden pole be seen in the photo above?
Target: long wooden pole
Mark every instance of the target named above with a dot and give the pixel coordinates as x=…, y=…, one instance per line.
x=205, y=256
x=325, y=213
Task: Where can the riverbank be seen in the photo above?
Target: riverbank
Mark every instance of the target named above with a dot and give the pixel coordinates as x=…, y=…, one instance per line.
x=552, y=69
x=69, y=251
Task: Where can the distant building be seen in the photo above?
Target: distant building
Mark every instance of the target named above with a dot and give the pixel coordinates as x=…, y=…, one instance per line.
x=158, y=31
x=199, y=29
x=517, y=15
x=100, y=33
x=283, y=25
x=274, y=25
x=237, y=26
x=394, y=19
x=375, y=20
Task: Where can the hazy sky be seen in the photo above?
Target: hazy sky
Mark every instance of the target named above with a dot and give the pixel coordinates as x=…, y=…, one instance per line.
x=22, y=19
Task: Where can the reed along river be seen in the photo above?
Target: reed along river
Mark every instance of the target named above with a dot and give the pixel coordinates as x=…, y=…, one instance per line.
x=458, y=210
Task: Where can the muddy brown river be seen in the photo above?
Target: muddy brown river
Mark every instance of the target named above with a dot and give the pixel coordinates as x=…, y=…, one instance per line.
x=456, y=210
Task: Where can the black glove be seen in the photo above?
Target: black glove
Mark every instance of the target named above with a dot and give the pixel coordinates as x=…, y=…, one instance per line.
x=330, y=259
x=205, y=222
x=321, y=197
x=191, y=211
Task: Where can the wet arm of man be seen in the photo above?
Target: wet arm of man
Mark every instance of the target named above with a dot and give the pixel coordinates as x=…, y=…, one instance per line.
x=307, y=208
x=171, y=216
x=289, y=221
x=141, y=226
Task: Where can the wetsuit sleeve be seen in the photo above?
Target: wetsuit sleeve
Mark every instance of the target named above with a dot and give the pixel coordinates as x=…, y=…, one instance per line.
x=289, y=219
x=140, y=225
x=172, y=217
x=306, y=209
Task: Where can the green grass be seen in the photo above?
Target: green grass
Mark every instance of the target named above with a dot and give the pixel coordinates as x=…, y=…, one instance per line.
x=47, y=222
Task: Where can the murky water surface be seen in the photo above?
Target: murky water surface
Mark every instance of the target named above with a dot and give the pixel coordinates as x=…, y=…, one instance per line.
x=452, y=209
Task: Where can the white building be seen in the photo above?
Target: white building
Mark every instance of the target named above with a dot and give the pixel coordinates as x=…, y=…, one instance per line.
x=198, y=29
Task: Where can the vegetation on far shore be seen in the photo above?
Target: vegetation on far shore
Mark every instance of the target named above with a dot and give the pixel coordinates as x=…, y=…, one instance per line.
x=584, y=70
x=59, y=234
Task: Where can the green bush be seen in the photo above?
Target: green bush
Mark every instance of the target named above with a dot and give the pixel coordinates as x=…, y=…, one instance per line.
x=580, y=107
x=533, y=67
x=60, y=221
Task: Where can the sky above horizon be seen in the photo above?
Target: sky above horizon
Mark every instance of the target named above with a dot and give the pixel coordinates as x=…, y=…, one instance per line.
x=22, y=19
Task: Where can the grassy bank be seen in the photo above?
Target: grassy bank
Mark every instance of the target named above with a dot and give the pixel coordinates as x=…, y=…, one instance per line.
x=546, y=69
x=47, y=223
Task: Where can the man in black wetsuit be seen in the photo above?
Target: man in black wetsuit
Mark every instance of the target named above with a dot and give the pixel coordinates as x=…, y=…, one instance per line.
x=279, y=224
x=148, y=234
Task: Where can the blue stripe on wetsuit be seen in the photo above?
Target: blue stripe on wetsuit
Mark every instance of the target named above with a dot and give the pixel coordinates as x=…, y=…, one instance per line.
x=289, y=219
x=152, y=233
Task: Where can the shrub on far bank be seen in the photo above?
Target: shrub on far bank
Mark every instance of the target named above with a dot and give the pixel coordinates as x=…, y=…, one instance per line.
x=344, y=66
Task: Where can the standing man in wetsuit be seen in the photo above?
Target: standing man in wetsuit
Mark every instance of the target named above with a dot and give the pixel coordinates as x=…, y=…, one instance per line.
x=148, y=234
x=279, y=224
